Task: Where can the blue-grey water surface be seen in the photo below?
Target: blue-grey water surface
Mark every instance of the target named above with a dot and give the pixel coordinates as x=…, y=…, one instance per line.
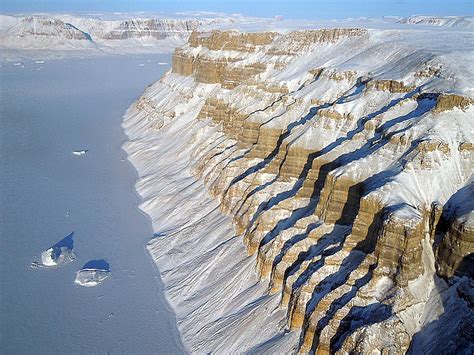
x=46, y=193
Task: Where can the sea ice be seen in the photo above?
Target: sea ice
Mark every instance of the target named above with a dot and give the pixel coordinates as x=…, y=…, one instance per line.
x=59, y=254
x=93, y=273
x=162, y=63
x=80, y=152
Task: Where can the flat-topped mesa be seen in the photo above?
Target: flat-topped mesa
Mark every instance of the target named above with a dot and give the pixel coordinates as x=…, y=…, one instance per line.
x=297, y=41
x=214, y=71
x=335, y=181
x=231, y=40
x=225, y=46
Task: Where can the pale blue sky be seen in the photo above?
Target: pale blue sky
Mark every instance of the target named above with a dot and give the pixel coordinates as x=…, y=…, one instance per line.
x=308, y=9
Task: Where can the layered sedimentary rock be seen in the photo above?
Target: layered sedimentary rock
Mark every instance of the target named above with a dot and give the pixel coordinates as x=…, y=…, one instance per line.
x=52, y=32
x=347, y=175
x=37, y=26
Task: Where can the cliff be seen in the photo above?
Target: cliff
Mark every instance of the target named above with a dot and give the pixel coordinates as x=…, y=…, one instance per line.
x=342, y=159
x=66, y=32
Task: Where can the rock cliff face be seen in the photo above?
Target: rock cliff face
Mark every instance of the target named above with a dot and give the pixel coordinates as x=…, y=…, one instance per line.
x=346, y=174
x=69, y=32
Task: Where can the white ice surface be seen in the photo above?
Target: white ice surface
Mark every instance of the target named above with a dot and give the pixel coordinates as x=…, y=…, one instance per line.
x=48, y=257
x=79, y=152
x=49, y=192
x=91, y=277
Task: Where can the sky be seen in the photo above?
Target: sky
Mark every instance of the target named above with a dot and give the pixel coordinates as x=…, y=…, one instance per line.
x=298, y=9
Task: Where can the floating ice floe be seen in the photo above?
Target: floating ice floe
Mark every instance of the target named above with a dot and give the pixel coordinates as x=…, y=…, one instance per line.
x=162, y=63
x=80, y=152
x=93, y=273
x=39, y=61
x=18, y=64
x=59, y=254
x=142, y=65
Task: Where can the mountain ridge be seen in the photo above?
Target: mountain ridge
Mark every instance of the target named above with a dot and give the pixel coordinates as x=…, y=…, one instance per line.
x=335, y=153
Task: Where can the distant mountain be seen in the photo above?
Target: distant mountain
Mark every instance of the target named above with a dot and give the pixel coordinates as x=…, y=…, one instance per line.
x=65, y=32
x=447, y=21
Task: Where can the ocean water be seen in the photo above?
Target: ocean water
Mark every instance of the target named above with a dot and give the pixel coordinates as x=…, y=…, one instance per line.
x=46, y=193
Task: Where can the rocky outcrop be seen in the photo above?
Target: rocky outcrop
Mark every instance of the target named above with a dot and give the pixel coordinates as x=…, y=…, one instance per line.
x=65, y=32
x=45, y=27
x=456, y=226
x=156, y=28
x=340, y=185
x=450, y=101
x=230, y=40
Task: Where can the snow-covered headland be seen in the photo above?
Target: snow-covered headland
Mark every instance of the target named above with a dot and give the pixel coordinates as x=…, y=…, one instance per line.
x=311, y=190
x=63, y=35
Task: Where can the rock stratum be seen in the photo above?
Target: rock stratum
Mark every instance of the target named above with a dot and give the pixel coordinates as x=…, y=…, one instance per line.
x=67, y=32
x=312, y=191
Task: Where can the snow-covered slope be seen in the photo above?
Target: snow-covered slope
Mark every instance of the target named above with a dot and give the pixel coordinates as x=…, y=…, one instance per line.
x=447, y=21
x=310, y=190
x=62, y=32
x=40, y=33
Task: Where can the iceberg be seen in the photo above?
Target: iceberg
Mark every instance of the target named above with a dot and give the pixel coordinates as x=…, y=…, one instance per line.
x=93, y=273
x=57, y=255
x=80, y=152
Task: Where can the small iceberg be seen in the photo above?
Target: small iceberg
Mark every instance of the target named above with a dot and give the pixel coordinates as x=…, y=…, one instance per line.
x=18, y=64
x=162, y=63
x=80, y=152
x=142, y=65
x=93, y=273
x=59, y=254
x=39, y=61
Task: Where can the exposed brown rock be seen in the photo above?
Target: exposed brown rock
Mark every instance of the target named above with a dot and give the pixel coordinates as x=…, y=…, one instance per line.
x=323, y=235
x=449, y=101
x=231, y=40
x=389, y=85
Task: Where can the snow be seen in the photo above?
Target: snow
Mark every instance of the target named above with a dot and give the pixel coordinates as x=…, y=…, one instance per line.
x=210, y=281
x=98, y=34
x=80, y=152
x=91, y=277
x=446, y=21
x=209, y=278
x=59, y=254
x=52, y=257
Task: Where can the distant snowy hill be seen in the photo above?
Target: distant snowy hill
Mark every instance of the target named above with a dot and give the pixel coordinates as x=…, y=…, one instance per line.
x=66, y=32
x=38, y=33
x=447, y=21
x=124, y=34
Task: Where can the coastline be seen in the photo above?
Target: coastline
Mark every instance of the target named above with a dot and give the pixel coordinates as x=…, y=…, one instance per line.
x=210, y=282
